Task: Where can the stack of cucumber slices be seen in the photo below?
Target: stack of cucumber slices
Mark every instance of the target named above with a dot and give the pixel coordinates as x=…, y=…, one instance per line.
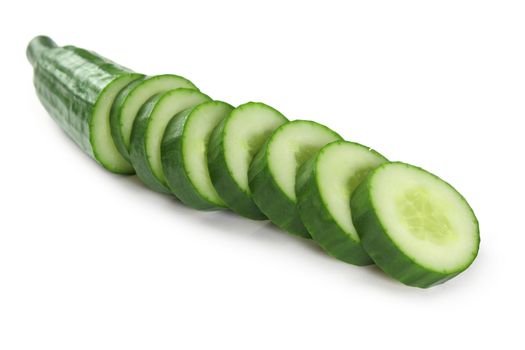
x=301, y=175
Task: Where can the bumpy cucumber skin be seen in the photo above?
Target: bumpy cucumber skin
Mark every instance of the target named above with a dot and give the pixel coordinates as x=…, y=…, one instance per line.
x=114, y=118
x=383, y=250
x=320, y=223
x=174, y=166
x=69, y=82
x=223, y=180
x=137, y=151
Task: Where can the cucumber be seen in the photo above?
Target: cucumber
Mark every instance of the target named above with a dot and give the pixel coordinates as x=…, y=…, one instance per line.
x=77, y=88
x=232, y=146
x=324, y=185
x=129, y=100
x=184, y=154
x=273, y=170
x=415, y=226
x=148, y=129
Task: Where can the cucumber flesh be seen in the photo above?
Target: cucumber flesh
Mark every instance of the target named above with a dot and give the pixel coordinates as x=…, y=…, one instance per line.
x=148, y=130
x=130, y=100
x=232, y=147
x=184, y=154
x=273, y=171
x=415, y=226
x=324, y=185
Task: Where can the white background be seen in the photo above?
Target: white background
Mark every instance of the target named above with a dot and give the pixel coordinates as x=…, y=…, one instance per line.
x=92, y=260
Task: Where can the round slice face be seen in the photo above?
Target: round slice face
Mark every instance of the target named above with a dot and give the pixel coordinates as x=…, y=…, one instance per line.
x=184, y=154
x=232, y=147
x=273, y=171
x=104, y=148
x=131, y=99
x=418, y=229
x=324, y=187
x=148, y=131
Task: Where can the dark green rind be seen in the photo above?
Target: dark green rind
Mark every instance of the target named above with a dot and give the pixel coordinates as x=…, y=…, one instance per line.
x=69, y=82
x=138, y=155
x=320, y=223
x=173, y=163
x=137, y=151
x=223, y=181
x=383, y=251
x=271, y=200
x=118, y=106
x=114, y=118
x=269, y=197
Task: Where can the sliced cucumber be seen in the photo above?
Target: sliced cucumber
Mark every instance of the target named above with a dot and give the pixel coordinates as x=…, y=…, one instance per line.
x=130, y=100
x=273, y=170
x=149, y=128
x=232, y=147
x=324, y=187
x=415, y=226
x=184, y=154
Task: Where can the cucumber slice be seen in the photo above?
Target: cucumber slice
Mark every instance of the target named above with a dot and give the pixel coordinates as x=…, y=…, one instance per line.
x=272, y=172
x=130, y=100
x=232, y=147
x=415, y=226
x=149, y=128
x=184, y=154
x=324, y=185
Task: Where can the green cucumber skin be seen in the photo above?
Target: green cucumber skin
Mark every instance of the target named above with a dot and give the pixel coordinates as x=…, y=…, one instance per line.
x=138, y=155
x=320, y=223
x=224, y=182
x=383, y=250
x=69, y=81
x=270, y=199
x=173, y=164
x=115, y=117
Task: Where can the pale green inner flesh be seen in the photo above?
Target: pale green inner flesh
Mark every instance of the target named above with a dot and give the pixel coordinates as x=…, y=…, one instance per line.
x=167, y=107
x=340, y=168
x=102, y=142
x=141, y=93
x=291, y=146
x=199, y=126
x=246, y=130
x=425, y=217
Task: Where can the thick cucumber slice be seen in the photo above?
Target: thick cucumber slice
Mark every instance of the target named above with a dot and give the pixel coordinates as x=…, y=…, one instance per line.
x=184, y=154
x=77, y=88
x=232, y=147
x=415, y=226
x=324, y=187
x=273, y=170
x=130, y=100
x=149, y=128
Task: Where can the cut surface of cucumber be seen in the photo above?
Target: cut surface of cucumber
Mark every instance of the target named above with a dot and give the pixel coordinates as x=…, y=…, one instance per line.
x=184, y=154
x=232, y=147
x=148, y=130
x=415, y=226
x=324, y=185
x=130, y=100
x=273, y=170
